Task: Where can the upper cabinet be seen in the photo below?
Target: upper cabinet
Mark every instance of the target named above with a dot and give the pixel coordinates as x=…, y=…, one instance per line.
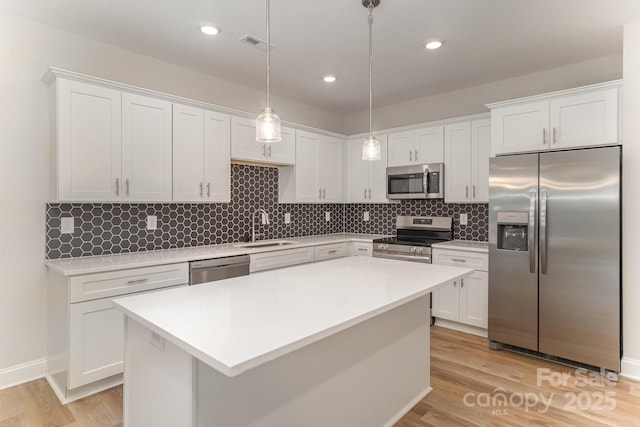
x=109, y=146
x=201, y=160
x=317, y=175
x=366, y=179
x=244, y=146
x=577, y=118
x=467, y=150
x=418, y=146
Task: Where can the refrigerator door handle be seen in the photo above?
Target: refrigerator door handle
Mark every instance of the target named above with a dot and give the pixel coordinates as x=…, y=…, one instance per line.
x=543, y=232
x=532, y=231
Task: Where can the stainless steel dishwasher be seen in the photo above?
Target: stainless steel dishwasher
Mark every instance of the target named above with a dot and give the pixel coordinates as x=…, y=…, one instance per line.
x=210, y=270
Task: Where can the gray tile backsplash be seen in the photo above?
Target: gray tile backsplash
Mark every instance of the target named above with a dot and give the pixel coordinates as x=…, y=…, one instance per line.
x=110, y=228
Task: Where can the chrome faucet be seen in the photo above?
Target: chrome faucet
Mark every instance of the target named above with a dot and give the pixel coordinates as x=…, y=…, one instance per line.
x=253, y=222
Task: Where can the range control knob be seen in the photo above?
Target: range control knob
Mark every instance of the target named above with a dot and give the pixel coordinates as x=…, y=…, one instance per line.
x=418, y=250
x=413, y=249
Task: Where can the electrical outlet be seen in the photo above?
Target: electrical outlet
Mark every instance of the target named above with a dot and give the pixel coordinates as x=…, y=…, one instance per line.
x=464, y=220
x=366, y=216
x=67, y=225
x=287, y=218
x=263, y=219
x=152, y=222
x=157, y=341
x=327, y=216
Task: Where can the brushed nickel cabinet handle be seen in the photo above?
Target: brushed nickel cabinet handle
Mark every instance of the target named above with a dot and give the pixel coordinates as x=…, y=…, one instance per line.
x=264, y=151
x=319, y=193
x=554, y=136
x=544, y=136
x=117, y=186
x=410, y=156
x=137, y=281
x=365, y=193
x=458, y=259
x=333, y=251
x=126, y=185
x=200, y=189
x=467, y=191
x=415, y=155
x=269, y=151
x=362, y=249
x=462, y=283
x=369, y=193
x=474, y=191
x=324, y=193
x=208, y=189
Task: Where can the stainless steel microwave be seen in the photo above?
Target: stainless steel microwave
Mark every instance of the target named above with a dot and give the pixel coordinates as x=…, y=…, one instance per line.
x=416, y=181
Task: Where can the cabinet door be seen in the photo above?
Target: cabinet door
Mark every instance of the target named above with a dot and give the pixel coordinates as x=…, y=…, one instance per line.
x=217, y=157
x=446, y=302
x=357, y=173
x=401, y=145
x=457, y=168
x=283, y=152
x=188, y=149
x=520, y=128
x=585, y=119
x=243, y=141
x=330, y=169
x=474, y=291
x=378, y=173
x=480, y=153
x=146, y=149
x=429, y=145
x=306, y=169
x=89, y=142
x=96, y=347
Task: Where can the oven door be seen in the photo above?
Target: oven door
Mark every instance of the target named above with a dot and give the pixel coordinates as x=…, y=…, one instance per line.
x=415, y=182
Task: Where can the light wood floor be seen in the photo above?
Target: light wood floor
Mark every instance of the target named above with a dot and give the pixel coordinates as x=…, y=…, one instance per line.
x=461, y=365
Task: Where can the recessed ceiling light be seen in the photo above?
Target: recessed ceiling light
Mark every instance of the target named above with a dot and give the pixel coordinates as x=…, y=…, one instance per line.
x=210, y=30
x=434, y=44
x=329, y=79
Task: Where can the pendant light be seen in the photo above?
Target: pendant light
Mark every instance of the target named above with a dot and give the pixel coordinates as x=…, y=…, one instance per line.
x=268, y=122
x=371, y=146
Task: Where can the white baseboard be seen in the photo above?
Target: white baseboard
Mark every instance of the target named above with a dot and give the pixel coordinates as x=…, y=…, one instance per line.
x=474, y=330
x=404, y=411
x=630, y=368
x=23, y=373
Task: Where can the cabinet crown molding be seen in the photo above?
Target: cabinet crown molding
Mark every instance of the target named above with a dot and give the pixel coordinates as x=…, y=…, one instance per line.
x=557, y=94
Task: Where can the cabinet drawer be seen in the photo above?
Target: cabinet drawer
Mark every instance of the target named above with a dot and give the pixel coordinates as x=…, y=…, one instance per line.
x=114, y=283
x=476, y=260
x=361, y=248
x=324, y=252
x=277, y=259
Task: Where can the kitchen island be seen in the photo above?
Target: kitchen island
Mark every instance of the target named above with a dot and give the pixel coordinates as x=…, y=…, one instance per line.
x=341, y=342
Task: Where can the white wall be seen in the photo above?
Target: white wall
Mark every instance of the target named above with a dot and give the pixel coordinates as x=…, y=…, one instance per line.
x=631, y=202
x=472, y=100
x=27, y=49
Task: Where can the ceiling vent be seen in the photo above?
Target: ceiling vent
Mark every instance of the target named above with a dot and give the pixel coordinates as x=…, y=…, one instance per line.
x=255, y=42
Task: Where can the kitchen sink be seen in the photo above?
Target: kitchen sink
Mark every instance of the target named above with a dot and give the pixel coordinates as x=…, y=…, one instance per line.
x=266, y=244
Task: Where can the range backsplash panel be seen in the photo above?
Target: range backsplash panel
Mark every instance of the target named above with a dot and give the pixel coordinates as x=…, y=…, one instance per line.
x=111, y=228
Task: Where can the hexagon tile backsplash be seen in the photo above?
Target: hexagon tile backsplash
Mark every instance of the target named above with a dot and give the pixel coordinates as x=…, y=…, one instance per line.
x=110, y=228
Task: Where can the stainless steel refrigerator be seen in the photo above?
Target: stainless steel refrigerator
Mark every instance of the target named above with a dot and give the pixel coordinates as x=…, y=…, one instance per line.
x=555, y=254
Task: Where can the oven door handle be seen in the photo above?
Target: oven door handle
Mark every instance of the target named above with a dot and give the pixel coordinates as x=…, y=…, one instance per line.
x=425, y=259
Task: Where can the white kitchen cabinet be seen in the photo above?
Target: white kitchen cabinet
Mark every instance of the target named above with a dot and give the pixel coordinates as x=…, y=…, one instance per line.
x=463, y=304
x=467, y=149
x=418, y=146
x=282, y=258
x=318, y=169
x=361, y=249
x=332, y=251
x=577, y=118
x=110, y=145
x=201, y=160
x=146, y=149
x=85, y=333
x=366, y=179
x=244, y=146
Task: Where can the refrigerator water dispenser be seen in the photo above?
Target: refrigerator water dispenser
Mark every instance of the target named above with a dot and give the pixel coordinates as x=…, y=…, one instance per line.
x=513, y=231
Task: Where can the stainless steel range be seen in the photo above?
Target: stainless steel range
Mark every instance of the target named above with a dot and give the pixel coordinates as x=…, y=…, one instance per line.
x=415, y=235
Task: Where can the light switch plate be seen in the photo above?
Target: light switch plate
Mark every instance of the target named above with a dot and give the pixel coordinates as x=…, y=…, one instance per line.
x=464, y=220
x=152, y=222
x=67, y=225
x=366, y=216
x=327, y=216
x=287, y=218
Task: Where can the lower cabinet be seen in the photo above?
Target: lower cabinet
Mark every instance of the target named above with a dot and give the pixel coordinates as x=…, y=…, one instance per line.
x=85, y=343
x=463, y=304
x=278, y=259
x=361, y=248
x=325, y=252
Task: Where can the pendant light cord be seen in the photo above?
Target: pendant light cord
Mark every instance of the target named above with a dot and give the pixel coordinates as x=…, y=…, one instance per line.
x=370, y=7
x=268, y=60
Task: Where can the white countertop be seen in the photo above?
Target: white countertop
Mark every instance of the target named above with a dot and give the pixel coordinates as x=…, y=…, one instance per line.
x=236, y=324
x=97, y=264
x=463, y=245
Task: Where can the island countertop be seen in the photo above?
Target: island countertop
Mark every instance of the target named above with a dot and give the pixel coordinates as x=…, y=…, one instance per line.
x=238, y=324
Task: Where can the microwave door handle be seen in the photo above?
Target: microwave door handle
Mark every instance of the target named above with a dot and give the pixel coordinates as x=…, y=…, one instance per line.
x=532, y=231
x=425, y=182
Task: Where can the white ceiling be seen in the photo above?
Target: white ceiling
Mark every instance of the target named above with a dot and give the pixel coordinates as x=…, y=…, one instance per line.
x=485, y=40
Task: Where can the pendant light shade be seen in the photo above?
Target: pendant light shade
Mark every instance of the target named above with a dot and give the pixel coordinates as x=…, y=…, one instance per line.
x=268, y=122
x=371, y=146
